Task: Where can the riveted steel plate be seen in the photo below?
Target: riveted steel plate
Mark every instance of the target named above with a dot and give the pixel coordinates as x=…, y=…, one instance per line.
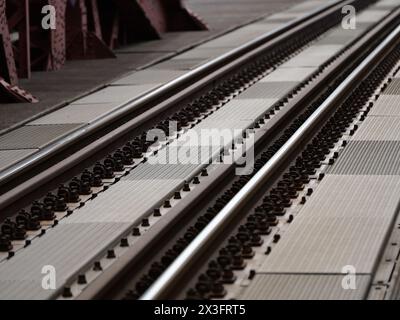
x=289, y=74
x=149, y=76
x=369, y=158
x=393, y=88
x=304, y=287
x=116, y=94
x=268, y=90
x=76, y=113
x=9, y=157
x=31, y=137
x=379, y=128
x=67, y=247
x=314, y=56
x=345, y=222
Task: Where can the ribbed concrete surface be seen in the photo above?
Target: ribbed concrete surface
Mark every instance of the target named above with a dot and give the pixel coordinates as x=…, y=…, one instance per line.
x=344, y=222
x=304, y=287
x=379, y=128
x=387, y=105
x=369, y=158
x=30, y=137
x=67, y=248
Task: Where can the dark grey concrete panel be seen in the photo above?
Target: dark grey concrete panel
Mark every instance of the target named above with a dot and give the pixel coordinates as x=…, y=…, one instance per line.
x=379, y=128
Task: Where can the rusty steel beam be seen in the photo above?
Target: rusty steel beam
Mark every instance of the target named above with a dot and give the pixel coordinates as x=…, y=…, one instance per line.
x=18, y=20
x=127, y=21
x=82, y=42
x=48, y=49
x=12, y=93
x=170, y=15
x=9, y=91
x=8, y=70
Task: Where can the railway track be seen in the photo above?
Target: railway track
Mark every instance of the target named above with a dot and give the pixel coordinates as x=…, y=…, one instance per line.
x=204, y=222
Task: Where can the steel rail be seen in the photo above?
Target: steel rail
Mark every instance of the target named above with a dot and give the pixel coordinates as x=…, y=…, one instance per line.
x=176, y=270
x=152, y=96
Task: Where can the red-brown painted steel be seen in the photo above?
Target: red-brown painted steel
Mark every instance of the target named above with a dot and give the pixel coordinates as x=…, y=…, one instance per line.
x=127, y=21
x=84, y=42
x=7, y=63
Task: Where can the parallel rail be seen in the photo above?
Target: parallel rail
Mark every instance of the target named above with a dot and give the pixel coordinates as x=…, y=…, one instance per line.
x=23, y=178
x=182, y=265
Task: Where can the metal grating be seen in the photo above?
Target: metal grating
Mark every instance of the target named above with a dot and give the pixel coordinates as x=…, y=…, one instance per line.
x=32, y=137
x=9, y=157
x=304, y=287
x=68, y=248
x=346, y=220
x=369, y=158
x=379, y=128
